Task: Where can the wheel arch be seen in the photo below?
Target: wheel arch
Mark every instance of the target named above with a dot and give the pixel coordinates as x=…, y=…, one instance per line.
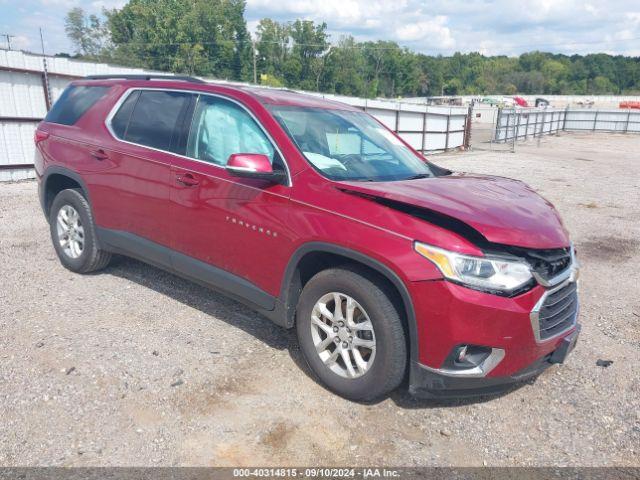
x=331, y=255
x=54, y=180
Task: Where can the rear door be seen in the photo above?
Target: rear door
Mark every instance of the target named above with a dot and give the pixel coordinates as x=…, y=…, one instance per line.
x=135, y=189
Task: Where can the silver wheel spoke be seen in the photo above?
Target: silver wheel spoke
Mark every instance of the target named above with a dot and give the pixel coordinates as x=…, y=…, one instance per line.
x=360, y=363
x=324, y=344
x=325, y=312
x=351, y=308
x=64, y=216
x=337, y=307
x=74, y=248
x=359, y=342
x=346, y=358
x=326, y=328
x=366, y=325
x=332, y=358
x=61, y=223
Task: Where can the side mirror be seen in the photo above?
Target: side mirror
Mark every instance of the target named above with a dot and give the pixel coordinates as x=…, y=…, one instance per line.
x=253, y=165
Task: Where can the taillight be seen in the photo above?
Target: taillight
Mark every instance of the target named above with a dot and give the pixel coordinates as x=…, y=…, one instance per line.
x=40, y=136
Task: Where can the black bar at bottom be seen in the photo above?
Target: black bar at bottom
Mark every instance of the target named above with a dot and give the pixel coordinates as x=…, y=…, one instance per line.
x=372, y=472
x=14, y=166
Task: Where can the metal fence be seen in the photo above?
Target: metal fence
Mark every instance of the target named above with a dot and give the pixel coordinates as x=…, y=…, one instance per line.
x=521, y=124
x=26, y=93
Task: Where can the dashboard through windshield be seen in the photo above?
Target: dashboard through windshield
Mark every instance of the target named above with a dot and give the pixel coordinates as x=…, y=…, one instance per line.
x=347, y=145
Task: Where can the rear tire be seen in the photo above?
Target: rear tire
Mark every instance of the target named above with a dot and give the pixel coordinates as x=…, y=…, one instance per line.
x=73, y=233
x=374, y=329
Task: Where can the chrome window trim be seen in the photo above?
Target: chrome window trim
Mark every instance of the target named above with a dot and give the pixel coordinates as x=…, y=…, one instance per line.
x=129, y=91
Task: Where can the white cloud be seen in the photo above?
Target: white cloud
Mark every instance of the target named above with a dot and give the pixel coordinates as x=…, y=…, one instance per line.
x=434, y=32
x=66, y=4
x=337, y=12
x=98, y=5
x=19, y=42
x=491, y=26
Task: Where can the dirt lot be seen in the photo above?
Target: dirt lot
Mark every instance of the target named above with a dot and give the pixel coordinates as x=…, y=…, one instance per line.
x=134, y=366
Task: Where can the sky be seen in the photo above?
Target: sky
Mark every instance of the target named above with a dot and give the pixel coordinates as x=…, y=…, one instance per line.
x=491, y=27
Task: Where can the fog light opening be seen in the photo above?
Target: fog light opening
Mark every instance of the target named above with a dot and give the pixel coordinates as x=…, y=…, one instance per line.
x=468, y=356
x=461, y=354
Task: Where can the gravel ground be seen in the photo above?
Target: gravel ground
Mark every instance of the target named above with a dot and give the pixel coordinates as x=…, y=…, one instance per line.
x=134, y=366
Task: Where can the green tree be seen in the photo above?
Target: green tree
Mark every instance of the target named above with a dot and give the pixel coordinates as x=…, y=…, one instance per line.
x=199, y=36
x=453, y=87
x=273, y=48
x=345, y=71
x=602, y=85
x=310, y=44
x=88, y=33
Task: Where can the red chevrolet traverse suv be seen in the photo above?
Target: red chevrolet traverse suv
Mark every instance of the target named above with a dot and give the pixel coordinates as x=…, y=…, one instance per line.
x=320, y=218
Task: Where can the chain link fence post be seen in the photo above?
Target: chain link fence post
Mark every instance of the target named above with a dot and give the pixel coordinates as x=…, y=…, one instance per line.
x=467, y=128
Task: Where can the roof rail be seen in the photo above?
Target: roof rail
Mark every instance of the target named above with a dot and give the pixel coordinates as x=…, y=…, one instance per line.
x=145, y=76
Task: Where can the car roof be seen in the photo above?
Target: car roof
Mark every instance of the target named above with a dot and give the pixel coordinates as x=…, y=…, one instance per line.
x=276, y=96
x=264, y=95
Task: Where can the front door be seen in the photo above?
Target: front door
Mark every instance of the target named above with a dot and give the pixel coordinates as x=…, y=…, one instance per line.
x=237, y=225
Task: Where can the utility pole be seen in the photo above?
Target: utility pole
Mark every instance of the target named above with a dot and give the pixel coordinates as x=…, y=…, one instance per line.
x=45, y=76
x=41, y=40
x=255, y=66
x=8, y=37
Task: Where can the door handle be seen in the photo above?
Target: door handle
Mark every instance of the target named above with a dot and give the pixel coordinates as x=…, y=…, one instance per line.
x=99, y=154
x=187, y=179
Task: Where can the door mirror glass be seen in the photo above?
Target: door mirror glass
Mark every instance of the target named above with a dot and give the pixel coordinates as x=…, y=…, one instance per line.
x=253, y=165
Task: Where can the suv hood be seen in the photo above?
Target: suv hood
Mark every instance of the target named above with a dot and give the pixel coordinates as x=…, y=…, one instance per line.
x=502, y=210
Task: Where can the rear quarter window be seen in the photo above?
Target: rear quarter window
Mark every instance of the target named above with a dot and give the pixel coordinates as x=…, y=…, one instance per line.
x=120, y=120
x=73, y=103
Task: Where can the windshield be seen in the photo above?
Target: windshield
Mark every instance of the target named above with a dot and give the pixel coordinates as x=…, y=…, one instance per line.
x=346, y=145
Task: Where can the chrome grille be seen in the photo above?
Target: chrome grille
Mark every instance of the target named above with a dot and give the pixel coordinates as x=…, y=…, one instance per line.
x=556, y=312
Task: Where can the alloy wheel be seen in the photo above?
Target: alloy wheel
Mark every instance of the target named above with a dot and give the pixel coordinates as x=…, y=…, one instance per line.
x=70, y=231
x=343, y=335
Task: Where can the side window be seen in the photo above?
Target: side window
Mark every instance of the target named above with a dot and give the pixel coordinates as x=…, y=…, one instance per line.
x=120, y=120
x=154, y=118
x=221, y=128
x=73, y=103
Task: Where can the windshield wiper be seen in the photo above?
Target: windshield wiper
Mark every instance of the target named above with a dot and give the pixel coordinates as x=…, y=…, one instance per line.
x=419, y=175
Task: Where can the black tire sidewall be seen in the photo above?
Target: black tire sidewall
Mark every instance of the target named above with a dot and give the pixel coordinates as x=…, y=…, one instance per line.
x=79, y=203
x=390, y=341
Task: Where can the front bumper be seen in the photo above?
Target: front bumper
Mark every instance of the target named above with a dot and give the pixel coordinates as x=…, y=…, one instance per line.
x=450, y=315
x=428, y=383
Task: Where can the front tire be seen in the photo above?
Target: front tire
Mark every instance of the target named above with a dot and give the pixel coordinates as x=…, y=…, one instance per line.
x=73, y=233
x=351, y=334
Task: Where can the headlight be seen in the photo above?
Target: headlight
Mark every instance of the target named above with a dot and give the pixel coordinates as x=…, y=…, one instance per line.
x=484, y=273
